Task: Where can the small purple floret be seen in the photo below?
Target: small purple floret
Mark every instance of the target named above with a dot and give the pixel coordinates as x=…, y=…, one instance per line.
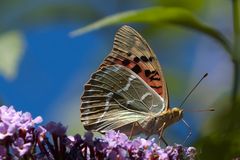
x=56, y=128
x=20, y=147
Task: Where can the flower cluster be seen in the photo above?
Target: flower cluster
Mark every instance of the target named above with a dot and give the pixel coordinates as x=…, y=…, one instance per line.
x=20, y=139
x=16, y=132
x=120, y=147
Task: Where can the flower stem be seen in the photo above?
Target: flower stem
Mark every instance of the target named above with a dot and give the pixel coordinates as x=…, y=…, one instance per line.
x=236, y=50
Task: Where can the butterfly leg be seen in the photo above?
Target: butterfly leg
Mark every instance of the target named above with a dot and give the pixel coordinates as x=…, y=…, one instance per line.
x=152, y=130
x=161, y=134
x=161, y=129
x=135, y=124
x=164, y=141
x=131, y=133
x=189, y=129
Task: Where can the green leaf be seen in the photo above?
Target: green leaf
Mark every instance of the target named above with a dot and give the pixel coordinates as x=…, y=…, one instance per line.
x=11, y=51
x=14, y=14
x=167, y=15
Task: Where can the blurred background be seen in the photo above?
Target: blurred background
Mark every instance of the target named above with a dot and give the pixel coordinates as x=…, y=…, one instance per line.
x=43, y=70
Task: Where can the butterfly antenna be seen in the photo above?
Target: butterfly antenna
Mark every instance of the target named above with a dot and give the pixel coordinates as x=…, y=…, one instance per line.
x=204, y=76
x=200, y=110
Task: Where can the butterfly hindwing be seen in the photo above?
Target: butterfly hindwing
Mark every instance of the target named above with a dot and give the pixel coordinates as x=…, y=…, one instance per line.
x=133, y=52
x=116, y=96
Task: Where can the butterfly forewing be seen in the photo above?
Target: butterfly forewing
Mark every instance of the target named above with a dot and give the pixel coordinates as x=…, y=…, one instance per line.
x=133, y=52
x=115, y=96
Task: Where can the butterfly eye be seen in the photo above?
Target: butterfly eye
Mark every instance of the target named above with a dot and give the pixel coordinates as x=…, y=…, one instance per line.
x=175, y=109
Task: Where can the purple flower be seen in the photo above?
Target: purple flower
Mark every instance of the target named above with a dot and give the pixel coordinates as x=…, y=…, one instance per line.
x=25, y=121
x=89, y=138
x=100, y=145
x=191, y=153
x=70, y=141
x=133, y=147
x=172, y=152
x=3, y=152
x=146, y=143
x=35, y=143
x=115, y=138
x=112, y=155
x=40, y=132
x=119, y=146
x=163, y=156
x=6, y=130
x=56, y=128
x=12, y=121
x=8, y=115
x=20, y=148
x=123, y=153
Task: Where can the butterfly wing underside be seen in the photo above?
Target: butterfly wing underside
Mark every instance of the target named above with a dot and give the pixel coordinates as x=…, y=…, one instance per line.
x=115, y=96
x=132, y=51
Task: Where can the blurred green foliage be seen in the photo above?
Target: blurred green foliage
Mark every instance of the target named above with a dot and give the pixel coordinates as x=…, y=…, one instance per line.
x=16, y=14
x=222, y=140
x=162, y=15
x=187, y=4
x=11, y=50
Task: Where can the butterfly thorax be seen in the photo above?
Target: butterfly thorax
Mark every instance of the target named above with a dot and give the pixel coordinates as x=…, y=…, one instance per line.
x=161, y=120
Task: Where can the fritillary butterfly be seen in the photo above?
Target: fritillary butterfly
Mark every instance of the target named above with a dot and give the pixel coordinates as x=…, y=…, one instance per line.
x=128, y=90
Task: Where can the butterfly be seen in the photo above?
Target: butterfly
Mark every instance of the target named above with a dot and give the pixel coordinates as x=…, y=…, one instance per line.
x=128, y=92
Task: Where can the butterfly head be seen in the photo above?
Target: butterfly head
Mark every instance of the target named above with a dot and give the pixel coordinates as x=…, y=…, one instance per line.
x=168, y=117
x=177, y=113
